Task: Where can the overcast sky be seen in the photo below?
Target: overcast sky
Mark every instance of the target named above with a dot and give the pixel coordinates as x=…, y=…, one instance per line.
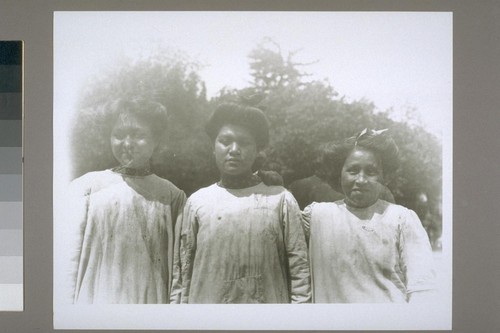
x=399, y=60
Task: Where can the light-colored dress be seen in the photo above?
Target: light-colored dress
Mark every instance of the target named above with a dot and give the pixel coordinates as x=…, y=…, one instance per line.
x=370, y=255
x=242, y=246
x=120, y=244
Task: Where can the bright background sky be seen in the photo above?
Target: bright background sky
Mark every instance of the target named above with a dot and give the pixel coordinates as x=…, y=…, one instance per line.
x=395, y=59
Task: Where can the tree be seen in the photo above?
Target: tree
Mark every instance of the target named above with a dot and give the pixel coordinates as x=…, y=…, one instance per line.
x=304, y=114
x=270, y=70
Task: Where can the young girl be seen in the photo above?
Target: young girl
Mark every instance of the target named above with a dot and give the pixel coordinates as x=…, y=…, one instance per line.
x=241, y=240
x=363, y=249
x=122, y=220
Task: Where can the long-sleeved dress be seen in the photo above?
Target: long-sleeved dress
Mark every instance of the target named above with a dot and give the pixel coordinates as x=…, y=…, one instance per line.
x=370, y=255
x=241, y=246
x=120, y=238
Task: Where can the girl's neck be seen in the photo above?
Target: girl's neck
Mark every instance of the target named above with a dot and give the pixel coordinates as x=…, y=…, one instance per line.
x=355, y=206
x=239, y=181
x=142, y=171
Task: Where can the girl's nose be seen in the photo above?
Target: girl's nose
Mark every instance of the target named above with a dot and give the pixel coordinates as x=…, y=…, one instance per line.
x=361, y=178
x=127, y=141
x=234, y=148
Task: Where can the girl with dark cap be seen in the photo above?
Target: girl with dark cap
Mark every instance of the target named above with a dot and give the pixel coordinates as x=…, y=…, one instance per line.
x=364, y=249
x=241, y=241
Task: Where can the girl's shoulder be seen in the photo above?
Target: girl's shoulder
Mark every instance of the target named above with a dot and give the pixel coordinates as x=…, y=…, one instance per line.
x=93, y=181
x=399, y=214
x=324, y=208
x=202, y=197
x=275, y=193
x=94, y=176
x=272, y=189
x=205, y=193
x=163, y=190
x=164, y=184
x=393, y=208
x=215, y=192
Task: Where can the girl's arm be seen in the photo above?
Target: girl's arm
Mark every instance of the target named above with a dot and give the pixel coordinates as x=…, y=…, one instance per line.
x=73, y=221
x=417, y=259
x=296, y=250
x=184, y=255
x=306, y=217
x=176, y=288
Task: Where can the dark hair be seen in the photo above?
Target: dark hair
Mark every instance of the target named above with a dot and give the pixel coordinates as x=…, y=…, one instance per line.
x=381, y=144
x=91, y=132
x=153, y=113
x=248, y=117
x=321, y=162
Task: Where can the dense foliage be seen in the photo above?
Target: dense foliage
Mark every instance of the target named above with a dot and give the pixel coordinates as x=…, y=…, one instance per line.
x=302, y=113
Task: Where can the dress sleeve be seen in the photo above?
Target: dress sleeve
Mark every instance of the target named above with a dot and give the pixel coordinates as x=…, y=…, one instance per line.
x=73, y=223
x=177, y=213
x=416, y=255
x=306, y=220
x=296, y=250
x=178, y=206
x=184, y=253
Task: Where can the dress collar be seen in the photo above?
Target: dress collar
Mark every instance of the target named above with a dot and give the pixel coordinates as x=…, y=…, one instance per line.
x=239, y=183
x=132, y=171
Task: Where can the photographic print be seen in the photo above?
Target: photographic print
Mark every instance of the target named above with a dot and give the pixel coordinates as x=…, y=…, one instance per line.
x=252, y=170
x=11, y=169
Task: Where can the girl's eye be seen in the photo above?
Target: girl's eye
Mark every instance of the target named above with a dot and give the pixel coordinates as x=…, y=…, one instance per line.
x=224, y=141
x=372, y=172
x=352, y=171
x=133, y=135
x=139, y=135
x=118, y=135
x=245, y=143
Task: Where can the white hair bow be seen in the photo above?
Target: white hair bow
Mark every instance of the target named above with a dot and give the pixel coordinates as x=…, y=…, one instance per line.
x=369, y=131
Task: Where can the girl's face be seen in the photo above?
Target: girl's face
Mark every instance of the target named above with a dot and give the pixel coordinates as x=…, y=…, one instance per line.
x=132, y=142
x=361, y=178
x=235, y=150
